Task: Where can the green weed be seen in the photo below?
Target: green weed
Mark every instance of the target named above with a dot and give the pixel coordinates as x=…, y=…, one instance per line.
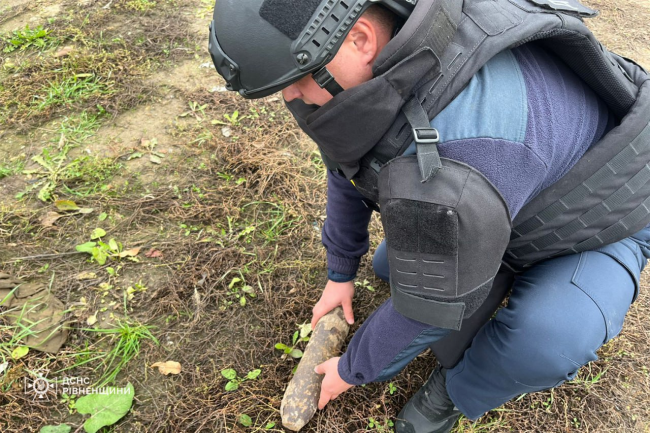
x=77, y=129
x=79, y=176
x=272, y=220
x=233, y=119
x=239, y=290
x=234, y=380
x=18, y=332
x=365, y=285
x=101, y=251
x=385, y=427
x=27, y=38
x=127, y=337
x=140, y=5
x=10, y=168
x=66, y=91
x=70, y=401
x=589, y=378
x=300, y=336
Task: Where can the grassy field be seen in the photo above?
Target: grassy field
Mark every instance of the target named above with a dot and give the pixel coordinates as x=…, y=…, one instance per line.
x=214, y=206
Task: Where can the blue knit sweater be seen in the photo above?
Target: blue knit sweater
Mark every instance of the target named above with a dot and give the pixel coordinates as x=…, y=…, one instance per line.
x=523, y=121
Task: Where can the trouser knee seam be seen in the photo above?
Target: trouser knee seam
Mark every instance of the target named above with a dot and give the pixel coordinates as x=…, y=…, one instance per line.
x=577, y=364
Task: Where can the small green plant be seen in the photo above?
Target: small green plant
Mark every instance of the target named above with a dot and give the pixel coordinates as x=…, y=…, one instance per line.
x=300, y=336
x=206, y=9
x=195, y=110
x=588, y=378
x=365, y=284
x=239, y=289
x=26, y=38
x=549, y=402
x=77, y=129
x=69, y=401
x=392, y=388
x=140, y=5
x=101, y=251
x=10, y=168
x=245, y=420
x=149, y=146
x=127, y=337
x=84, y=173
x=380, y=427
x=233, y=119
x=272, y=219
x=575, y=423
x=229, y=177
x=13, y=346
x=66, y=91
x=234, y=380
x=189, y=229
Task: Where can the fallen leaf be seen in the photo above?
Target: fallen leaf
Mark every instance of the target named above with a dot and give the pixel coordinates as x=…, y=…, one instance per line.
x=129, y=253
x=134, y=155
x=155, y=159
x=85, y=210
x=92, y=319
x=226, y=132
x=64, y=51
x=3, y=366
x=153, y=253
x=86, y=276
x=168, y=367
x=50, y=218
x=64, y=205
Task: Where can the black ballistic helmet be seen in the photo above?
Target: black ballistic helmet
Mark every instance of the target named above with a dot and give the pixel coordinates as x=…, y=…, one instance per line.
x=262, y=46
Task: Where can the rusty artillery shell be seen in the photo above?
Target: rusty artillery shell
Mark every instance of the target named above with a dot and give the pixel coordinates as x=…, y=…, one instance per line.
x=301, y=397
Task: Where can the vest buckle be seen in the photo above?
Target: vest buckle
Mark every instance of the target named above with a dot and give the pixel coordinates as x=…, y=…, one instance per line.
x=426, y=135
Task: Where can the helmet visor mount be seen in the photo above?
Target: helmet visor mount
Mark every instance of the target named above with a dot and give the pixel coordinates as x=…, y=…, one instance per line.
x=315, y=46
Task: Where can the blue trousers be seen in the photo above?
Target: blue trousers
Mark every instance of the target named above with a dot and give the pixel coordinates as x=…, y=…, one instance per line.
x=560, y=312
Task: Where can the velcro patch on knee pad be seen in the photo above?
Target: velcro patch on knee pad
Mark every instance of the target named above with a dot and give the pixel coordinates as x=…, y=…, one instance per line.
x=421, y=227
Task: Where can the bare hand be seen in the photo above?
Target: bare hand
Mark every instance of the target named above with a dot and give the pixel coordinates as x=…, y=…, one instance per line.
x=334, y=294
x=332, y=385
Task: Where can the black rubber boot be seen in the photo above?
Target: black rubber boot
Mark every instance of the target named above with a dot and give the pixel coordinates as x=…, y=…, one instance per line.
x=430, y=410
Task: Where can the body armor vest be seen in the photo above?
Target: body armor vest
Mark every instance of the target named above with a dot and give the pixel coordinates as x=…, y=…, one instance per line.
x=604, y=198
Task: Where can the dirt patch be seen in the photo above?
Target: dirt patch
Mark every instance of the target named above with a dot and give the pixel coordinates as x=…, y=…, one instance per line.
x=623, y=28
x=190, y=76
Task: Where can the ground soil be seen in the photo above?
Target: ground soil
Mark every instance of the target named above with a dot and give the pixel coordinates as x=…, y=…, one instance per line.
x=222, y=193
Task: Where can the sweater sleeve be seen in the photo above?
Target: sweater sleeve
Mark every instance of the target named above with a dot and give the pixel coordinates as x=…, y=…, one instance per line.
x=345, y=232
x=401, y=339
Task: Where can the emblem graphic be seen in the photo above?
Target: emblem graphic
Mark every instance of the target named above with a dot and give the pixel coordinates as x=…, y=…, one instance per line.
x=39, y=385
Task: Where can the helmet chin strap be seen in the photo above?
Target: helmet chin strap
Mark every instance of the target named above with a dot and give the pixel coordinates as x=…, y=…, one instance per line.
x=326, y=81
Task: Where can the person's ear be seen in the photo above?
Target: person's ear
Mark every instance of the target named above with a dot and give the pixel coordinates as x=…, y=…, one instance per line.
x=364, y=39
